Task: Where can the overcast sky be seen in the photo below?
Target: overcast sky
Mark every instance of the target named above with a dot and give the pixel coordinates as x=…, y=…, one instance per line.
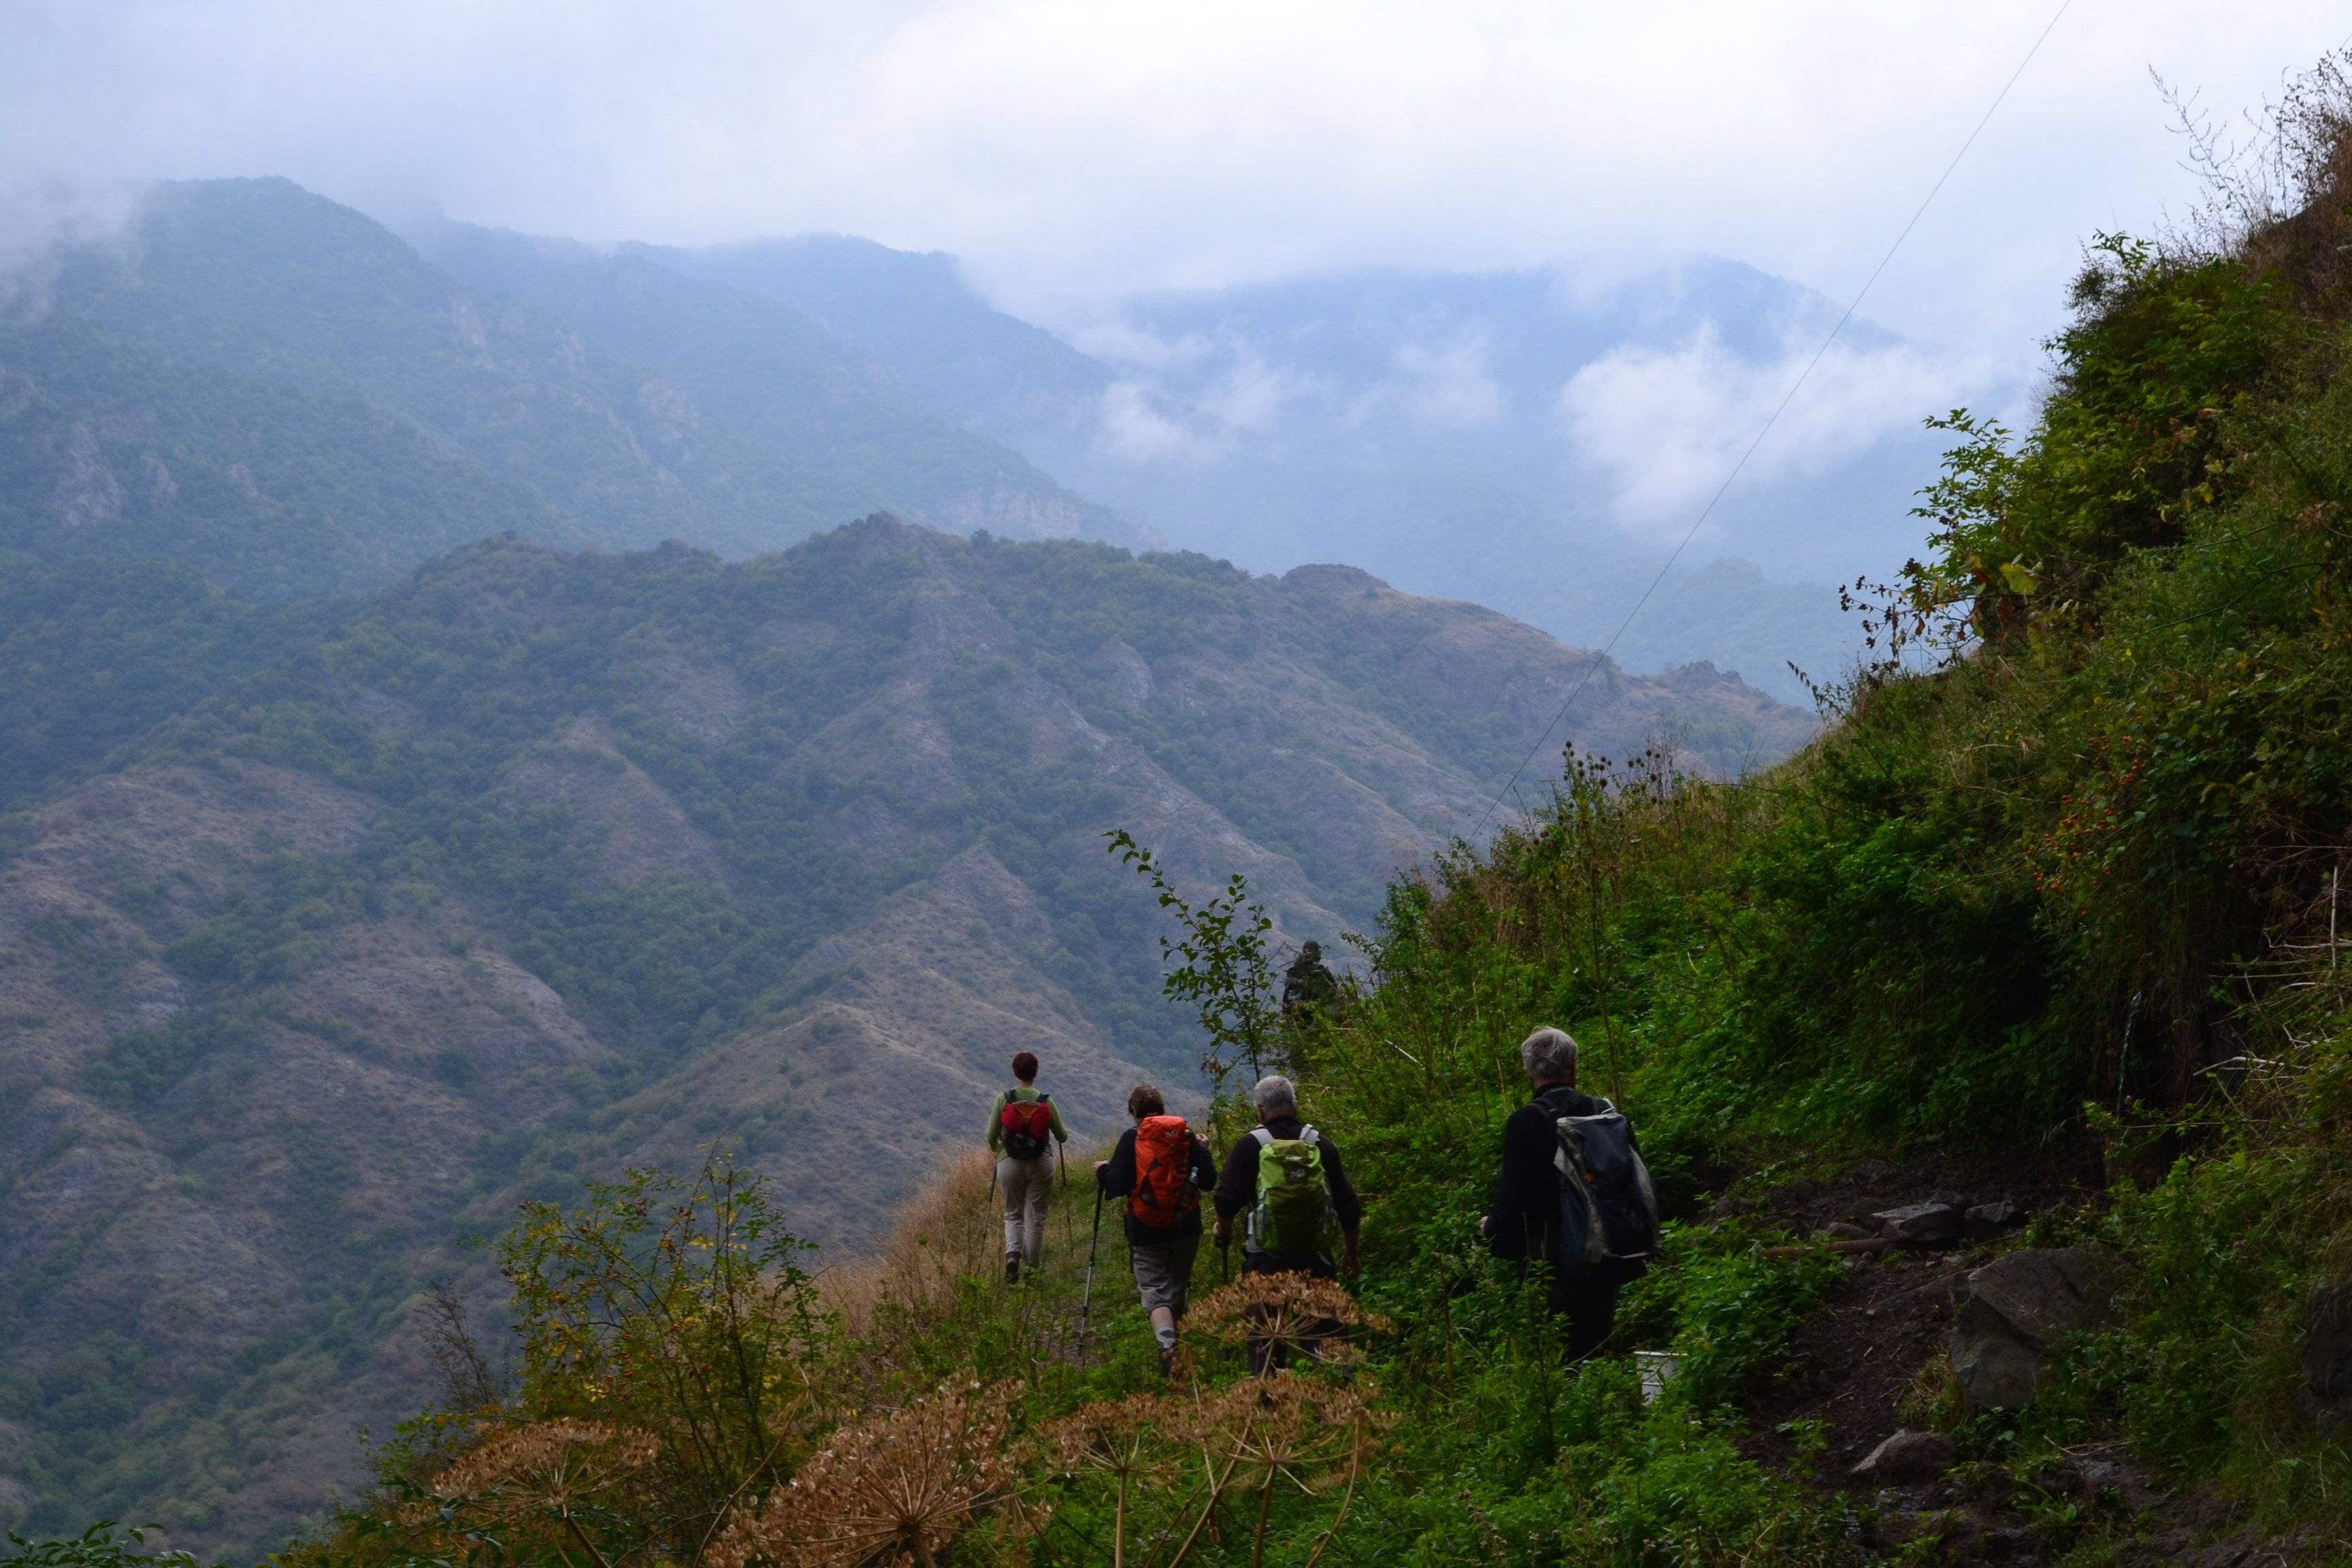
x=1072, y=151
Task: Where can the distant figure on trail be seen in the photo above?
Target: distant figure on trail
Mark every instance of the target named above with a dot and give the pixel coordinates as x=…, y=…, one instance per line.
x=1023, y=1128
x=1573, y=1194
x=1161, y=1167
x=1308, y=988
x=1288, y=1178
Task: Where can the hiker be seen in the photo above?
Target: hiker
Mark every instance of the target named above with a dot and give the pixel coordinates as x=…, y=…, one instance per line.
x=1161, y=1167
x=1288, y=1177
x=1596, y=1228
x=1023, y=1130
x=1309, y=990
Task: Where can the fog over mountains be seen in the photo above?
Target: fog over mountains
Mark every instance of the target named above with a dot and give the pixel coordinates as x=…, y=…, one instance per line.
x=1528, y=439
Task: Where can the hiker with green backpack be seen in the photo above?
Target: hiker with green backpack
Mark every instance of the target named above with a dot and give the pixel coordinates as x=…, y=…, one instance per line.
x=1288, y=1178
x=1161, y=1167
x=1023, y=1128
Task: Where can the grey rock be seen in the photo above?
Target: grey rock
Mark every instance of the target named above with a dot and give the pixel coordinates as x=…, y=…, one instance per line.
x=2019, y=1313
x=1838, y=1230
x=1987, y=1221
x=1909, y=1458
x=1930, y=1223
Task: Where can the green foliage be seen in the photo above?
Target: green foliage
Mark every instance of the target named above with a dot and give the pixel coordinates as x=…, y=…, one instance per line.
x=95, y=652
x=1218, y=965
x=141, y=1067
x=1732, y=1309
x=678, y=1310
x=97, y=1547
x=272, y=493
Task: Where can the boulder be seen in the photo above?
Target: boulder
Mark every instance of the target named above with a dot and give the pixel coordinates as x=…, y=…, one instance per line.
x=1987, y=1221
x=1931, y=1224
x=1907, y=1458
x=2018, y=1311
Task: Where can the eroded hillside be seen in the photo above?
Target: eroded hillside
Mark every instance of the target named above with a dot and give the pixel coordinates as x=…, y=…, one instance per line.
x=544, y=865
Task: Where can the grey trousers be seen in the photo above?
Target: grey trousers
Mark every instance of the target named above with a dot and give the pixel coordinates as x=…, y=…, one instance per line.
x=1026, y=1186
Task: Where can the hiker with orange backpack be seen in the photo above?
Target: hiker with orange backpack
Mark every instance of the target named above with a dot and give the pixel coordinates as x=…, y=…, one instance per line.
x=1024, y=1127
x=1161, y=1167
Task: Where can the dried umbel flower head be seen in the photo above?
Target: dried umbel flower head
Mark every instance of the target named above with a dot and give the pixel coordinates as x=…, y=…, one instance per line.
x=1292, y=1311
x=894, y=1488
x=1287, y=1427
x=549, y=1468
x=1126, y=1439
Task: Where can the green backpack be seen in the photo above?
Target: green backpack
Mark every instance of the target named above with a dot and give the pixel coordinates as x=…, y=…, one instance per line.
x=1294, y=1202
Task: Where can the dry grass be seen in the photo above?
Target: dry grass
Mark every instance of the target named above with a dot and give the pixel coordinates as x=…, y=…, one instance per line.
x=947, y=1232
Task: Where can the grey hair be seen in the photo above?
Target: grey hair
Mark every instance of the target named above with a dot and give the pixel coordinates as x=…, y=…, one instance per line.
x=1275, y=1092
x=1548, y=1053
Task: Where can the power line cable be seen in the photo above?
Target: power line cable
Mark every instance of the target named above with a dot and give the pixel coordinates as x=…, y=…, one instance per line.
x=1789, y=397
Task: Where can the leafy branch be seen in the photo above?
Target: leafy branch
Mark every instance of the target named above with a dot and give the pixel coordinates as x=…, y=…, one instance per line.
x=1219, y=967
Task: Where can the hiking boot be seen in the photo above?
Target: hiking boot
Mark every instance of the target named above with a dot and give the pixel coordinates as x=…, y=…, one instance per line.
x=1169, y=1358
x=1012, y=1269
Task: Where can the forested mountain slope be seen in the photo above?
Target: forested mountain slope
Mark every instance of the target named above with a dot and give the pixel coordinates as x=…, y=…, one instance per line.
x=277, y=390
x=539, y=864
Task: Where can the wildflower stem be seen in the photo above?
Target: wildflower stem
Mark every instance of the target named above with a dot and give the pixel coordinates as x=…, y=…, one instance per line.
x=1216, y=1495
x=580, y=1536
x=1355, y=1468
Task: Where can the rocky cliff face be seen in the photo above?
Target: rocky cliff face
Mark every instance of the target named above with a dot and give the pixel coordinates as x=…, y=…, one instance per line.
x=549, y=865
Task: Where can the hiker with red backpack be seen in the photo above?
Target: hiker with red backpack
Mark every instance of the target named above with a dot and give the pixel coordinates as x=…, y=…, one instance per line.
x=1574, y=1194
x=1161, y=1167
x=1023, y=1128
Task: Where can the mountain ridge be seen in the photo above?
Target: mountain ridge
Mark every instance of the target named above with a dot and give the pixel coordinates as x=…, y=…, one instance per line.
x=539, y=864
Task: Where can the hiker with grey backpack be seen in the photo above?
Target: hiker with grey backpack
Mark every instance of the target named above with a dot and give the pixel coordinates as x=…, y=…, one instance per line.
x=1288, y=1179
x=1573, y=1194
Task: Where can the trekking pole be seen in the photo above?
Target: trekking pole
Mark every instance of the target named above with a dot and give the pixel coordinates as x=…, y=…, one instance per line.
x=1086, y=1300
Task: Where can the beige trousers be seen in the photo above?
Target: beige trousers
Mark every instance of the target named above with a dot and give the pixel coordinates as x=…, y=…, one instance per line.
x=1026, y=1186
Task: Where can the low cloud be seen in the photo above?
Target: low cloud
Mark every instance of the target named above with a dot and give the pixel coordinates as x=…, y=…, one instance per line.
x=1134, y=430
x=41, y=219
x=1663, y=429
x=1449, y=385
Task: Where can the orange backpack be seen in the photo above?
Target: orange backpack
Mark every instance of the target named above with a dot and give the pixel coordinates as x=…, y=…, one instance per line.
x=1163, y=1193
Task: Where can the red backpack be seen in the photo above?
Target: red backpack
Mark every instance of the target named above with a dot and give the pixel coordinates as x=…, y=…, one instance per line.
x=1163, y=1193
x=1027, y=1124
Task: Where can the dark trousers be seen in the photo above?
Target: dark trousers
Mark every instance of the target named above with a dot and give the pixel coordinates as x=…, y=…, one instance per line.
x=1587, y=1296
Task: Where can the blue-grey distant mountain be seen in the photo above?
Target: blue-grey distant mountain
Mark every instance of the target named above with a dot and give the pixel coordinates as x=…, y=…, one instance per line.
x=1423, y=424
x=779, y=379
x=280, y=391
x=912, y=313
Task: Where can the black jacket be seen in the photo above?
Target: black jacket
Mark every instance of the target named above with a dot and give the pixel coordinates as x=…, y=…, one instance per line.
x=1237, y=1188
x=1524, y=1223
x=1118, y=1179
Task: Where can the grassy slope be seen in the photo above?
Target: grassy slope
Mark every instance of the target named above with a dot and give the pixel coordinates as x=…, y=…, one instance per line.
x=2076, y=890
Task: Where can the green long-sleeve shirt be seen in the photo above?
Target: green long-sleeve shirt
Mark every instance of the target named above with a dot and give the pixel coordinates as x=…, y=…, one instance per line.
x=996, y=1117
